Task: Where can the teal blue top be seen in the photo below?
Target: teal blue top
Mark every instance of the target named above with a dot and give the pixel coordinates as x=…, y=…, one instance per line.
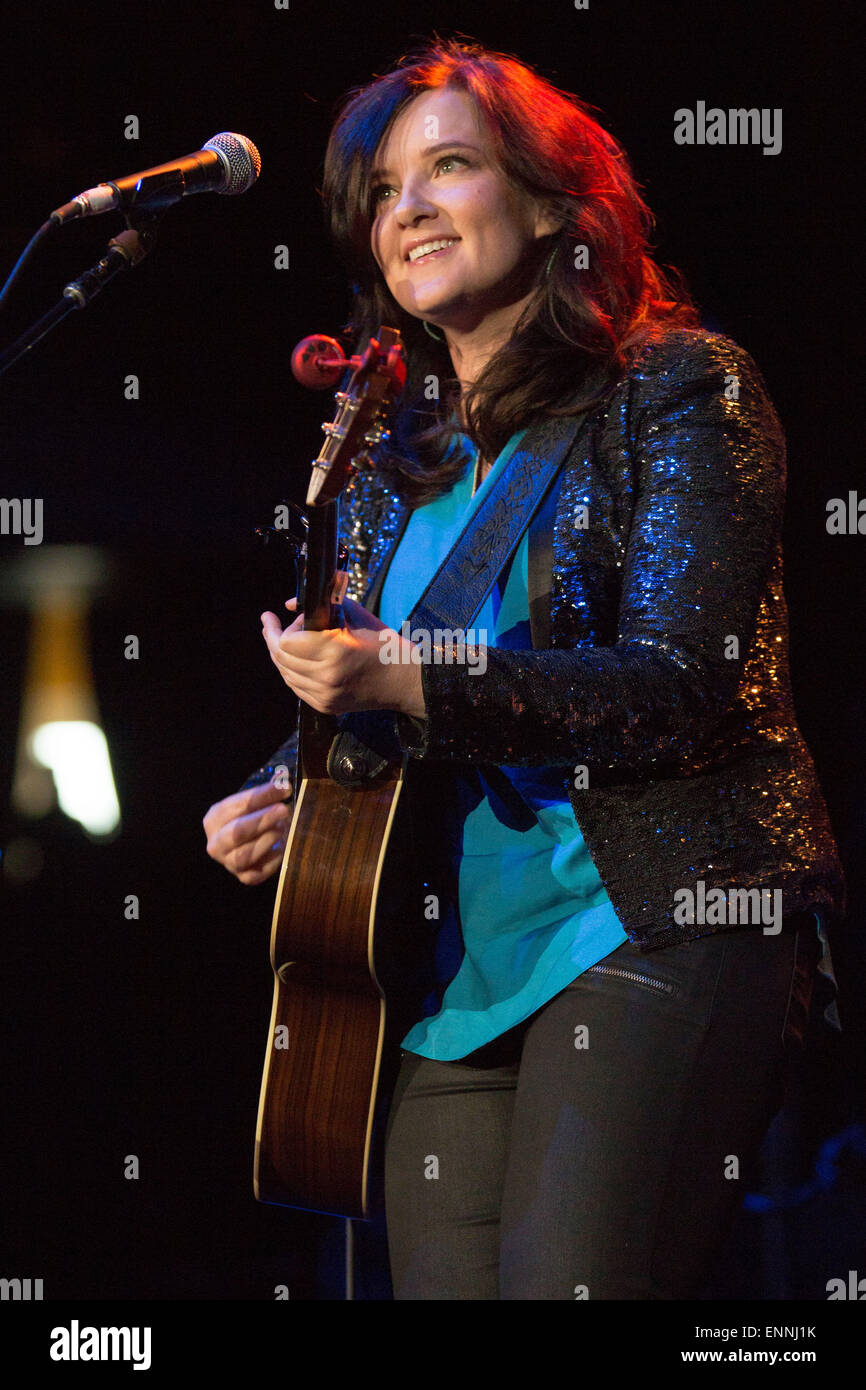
x=533, y=911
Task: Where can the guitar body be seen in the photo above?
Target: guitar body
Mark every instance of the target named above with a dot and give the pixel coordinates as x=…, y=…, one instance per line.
x=327, y=1030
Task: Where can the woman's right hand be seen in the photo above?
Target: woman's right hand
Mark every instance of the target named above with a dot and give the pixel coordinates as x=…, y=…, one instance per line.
x=246, y=832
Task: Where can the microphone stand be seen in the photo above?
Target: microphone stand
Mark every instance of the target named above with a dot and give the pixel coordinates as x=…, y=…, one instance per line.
x=124, y=251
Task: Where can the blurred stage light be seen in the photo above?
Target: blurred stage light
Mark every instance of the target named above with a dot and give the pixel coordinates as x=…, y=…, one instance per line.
x=63, y=755
x=76, y=752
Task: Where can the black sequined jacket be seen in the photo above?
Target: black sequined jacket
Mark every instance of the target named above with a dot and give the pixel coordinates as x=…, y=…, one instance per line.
x=660, y=660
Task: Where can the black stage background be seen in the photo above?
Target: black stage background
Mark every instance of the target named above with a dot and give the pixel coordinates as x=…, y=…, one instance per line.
x=146, y=1037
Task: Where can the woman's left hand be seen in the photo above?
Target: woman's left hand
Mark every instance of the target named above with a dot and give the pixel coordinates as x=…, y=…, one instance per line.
x=343, y=669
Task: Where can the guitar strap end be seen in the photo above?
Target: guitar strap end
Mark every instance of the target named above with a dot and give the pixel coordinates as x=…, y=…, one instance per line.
x=365, y=746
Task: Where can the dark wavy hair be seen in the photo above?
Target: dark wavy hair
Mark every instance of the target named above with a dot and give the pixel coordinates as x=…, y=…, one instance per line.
x=574, y=336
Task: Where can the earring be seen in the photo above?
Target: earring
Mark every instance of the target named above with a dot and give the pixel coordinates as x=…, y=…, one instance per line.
x=551, y=258
x=437, y=337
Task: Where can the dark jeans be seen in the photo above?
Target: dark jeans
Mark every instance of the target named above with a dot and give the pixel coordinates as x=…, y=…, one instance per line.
x=598, y=1149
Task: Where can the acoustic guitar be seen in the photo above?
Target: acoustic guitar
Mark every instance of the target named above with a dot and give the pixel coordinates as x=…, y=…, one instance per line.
x=324, y=1051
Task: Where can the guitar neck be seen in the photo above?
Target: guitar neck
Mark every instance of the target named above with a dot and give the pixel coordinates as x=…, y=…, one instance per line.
x=316, y=731
x=320, y=570
x=378, y=377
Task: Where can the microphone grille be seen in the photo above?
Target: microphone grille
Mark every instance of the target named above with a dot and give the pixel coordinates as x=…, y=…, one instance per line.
x=240, y=158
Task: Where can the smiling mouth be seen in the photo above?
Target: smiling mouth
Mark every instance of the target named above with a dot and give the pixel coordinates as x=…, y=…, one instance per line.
x=428, y=249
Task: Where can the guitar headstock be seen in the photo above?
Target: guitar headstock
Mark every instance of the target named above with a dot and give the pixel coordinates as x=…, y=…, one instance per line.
x=359, y=422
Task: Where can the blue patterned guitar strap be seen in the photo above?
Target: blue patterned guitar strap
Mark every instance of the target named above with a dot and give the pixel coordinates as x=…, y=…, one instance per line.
x=482, y=550
x=461, y=584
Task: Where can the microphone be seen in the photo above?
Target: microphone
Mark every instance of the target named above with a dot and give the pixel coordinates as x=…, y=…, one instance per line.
x=228, y=163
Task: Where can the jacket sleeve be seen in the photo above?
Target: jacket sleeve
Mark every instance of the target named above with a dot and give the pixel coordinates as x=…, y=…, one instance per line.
x=708, y=463
x=286, y=756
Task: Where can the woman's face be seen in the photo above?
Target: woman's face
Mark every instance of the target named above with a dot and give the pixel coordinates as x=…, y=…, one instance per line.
x=435, y=181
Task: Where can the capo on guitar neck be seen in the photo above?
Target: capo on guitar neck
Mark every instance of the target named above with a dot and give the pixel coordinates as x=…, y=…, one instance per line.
x=297, y=544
